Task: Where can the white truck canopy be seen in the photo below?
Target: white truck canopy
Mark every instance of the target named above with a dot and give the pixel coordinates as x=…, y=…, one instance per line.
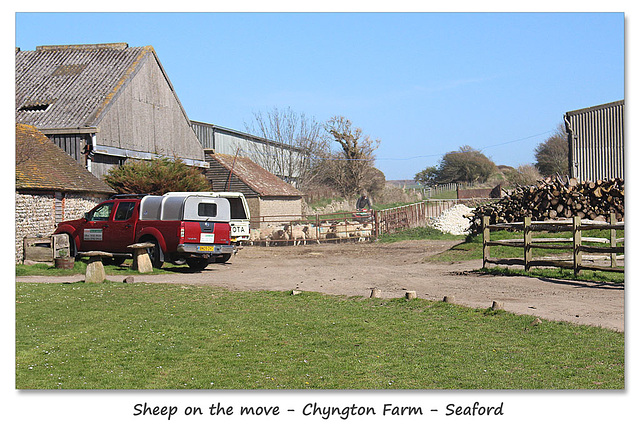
x=185, y=206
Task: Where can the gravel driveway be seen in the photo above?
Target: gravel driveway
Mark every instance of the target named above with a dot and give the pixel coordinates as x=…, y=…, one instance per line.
x=394, y=268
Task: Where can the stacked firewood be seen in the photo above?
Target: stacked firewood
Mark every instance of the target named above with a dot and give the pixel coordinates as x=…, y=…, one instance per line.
x=555, y=198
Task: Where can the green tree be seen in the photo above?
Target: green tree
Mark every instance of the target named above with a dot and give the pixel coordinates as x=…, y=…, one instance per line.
x=465, y=165
x=157, y=176
x=428, y=176
x=552, y=156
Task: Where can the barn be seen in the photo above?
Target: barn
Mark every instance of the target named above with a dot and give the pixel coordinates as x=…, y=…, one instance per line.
x=50, y=187
x=596, y=142
x=282, y=160
x=269, y=198
x=103, y=104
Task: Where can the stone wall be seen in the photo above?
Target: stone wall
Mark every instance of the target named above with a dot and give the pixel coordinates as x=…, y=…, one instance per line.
x=281, y=209
x=36, y=214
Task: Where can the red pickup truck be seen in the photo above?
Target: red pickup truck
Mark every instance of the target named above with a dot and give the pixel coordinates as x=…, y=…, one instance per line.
x=190, y=229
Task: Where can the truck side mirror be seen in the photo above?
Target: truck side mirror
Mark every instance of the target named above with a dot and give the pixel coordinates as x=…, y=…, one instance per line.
x=86, y=216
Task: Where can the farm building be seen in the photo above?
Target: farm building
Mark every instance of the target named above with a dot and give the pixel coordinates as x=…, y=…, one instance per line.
x=103, y=104
x=280, y=159
x=596, y=142
x=50, y=186
x=266, y=194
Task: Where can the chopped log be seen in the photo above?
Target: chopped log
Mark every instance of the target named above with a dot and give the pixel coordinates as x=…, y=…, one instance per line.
x=553, y=198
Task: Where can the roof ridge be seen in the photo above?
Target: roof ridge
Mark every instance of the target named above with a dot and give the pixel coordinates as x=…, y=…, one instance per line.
x=117, y=46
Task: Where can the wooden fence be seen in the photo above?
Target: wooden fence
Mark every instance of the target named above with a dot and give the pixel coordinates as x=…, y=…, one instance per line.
x=410, y=216
x=575, y=245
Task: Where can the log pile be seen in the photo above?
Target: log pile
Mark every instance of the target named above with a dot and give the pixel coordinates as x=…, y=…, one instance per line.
x=555, y=198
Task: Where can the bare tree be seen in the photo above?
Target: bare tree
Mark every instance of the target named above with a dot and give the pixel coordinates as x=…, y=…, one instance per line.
x=353, y=162
x=293, y=146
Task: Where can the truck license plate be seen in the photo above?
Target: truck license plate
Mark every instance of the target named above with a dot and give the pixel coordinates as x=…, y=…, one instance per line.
x=206, y=248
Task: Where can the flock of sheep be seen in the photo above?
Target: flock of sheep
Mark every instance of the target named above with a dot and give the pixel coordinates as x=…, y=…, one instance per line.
x=297, y=234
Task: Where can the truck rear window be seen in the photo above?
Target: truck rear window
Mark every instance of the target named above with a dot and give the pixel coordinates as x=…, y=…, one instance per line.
x=207, y=209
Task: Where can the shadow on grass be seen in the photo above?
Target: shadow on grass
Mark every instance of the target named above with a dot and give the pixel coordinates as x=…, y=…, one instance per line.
x=562, y=277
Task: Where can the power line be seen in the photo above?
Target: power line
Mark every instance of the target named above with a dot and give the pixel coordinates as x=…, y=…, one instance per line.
x=249, y=152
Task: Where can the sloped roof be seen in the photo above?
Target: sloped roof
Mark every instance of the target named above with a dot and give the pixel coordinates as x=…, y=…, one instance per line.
x=72, y=86
x=42, y=165
x=257, y=178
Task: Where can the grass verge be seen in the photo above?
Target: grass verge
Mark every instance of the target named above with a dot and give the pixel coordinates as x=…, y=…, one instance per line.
x=471, y=249
x=80, y=267
x=419, y=233
x=142, y=336
x=558, y=273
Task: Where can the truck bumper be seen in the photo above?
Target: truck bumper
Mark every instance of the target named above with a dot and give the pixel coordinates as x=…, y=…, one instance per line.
x=205, y=249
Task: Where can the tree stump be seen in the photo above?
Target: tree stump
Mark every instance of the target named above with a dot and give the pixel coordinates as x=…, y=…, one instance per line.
x=141, y=260
x=95, y=269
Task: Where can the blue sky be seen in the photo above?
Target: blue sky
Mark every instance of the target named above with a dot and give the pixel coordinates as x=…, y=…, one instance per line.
x=422, y=83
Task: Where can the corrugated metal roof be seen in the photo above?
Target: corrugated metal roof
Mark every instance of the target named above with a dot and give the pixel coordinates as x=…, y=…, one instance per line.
x=257, y=178
x=72, y=86
x=596, y=141
x=42, y=165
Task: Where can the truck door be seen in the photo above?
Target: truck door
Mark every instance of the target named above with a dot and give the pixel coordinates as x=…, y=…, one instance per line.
x=122, y=228
x=94, y=235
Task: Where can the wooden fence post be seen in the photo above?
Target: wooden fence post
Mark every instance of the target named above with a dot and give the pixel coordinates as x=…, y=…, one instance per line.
x=612, y=239
x=527, y=242
x=486, y=236
x=577, y=242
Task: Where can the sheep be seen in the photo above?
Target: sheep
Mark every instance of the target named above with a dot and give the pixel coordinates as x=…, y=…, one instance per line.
x=298, y=233
x=254, y=235
x=312, y=233
x=264, y=234
x=279, y=236
x=364, y=235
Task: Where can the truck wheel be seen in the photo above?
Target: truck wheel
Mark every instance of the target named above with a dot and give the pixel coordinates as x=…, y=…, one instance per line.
x=73, y=251
x=223, y=258
x=155, y=253
x=116, y=260
x=197, y=263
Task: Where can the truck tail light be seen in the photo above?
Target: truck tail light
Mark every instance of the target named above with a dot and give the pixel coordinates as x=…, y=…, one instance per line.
x=181, y=232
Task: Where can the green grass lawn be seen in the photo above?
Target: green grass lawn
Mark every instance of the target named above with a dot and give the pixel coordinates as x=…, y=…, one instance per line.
x=418, y=233
x=143, y=336
x=471, y=248
x=80, y=267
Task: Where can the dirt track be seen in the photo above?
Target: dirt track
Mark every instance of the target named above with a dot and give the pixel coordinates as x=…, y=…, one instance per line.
x=354, y=269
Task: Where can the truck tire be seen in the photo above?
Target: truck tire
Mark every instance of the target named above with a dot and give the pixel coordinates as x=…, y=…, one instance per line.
x=73, y=251
x=197, y=263
x=155, y=253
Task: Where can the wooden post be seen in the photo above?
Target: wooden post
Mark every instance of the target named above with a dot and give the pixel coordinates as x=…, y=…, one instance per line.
x=577, y=241
x=612, y=239
x=376, y=293
x=527, y=243
x=486, y=236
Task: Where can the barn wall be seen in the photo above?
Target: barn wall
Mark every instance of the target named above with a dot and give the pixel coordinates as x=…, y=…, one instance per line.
x=281, y=209
x=147, y=117
x=596, y=142
x=261, y=151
